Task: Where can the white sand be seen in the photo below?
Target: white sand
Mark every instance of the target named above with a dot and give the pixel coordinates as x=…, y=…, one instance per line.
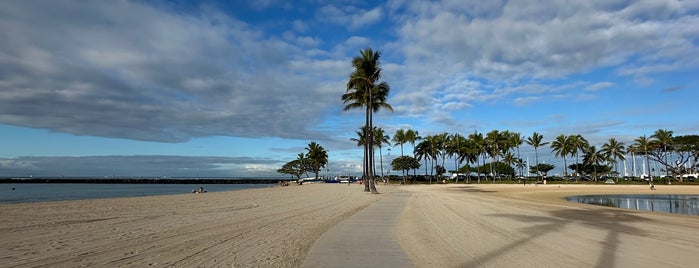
x=515, y=226
x=441, y=226
x=272, y=227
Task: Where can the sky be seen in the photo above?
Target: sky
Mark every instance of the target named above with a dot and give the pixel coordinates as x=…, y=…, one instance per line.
x=238, y=88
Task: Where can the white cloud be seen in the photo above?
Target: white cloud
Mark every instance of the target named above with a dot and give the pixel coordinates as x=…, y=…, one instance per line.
x=129, y=70
x=349, y=16
x=599, y=86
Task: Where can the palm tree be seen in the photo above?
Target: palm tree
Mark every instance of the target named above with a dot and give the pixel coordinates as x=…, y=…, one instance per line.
x=496, y=144
x=644, y=146
x=509, y=159
x=479, y=148
x=536, y=141
x=456, y=147
x=303, y=162
x=441, y=141
x=561, y=147
x=516, y=141
x=400, y=139
x=412, y=136
x=317, y=157
x=577, y=144
x=663, y=139
x=593, y=157
x=467, y=152
x=361, y=142
x=379, y=140
x=363, y=91
x=614, y=150
x=423, y=151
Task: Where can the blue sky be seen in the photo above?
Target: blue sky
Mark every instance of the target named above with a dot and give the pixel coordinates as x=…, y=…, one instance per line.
x=237, y=88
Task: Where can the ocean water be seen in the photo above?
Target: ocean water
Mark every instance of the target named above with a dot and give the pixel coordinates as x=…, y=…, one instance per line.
x=682, y=204
x=43, y=192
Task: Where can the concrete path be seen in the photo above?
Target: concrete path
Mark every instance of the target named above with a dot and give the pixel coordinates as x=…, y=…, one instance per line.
x=366, y=239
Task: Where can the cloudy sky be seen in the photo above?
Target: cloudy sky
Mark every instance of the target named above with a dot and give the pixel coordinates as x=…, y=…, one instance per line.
x=237, y=88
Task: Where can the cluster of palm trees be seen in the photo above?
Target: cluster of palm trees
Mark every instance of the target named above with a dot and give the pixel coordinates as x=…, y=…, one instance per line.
x=365, y=91
x=315, y=158
x=504, y=147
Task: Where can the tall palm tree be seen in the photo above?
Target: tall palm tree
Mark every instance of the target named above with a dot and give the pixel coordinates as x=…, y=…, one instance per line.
x=422, y=152
x=412, y=136
x=593, y=157
x=441, y=141
x=399, y=139
x=561, y=148
x=614, y=150
x=663, y=139
x=455, y=147
x=379, y=140
x=644, y=146
x=496, y=144
x=479, y=147
x=536, y=141
x=363, y=90
x=516, y=141
x=301, y=157
x=317, y=157
x=577, y=144
x=509, y=159
x=467, y=152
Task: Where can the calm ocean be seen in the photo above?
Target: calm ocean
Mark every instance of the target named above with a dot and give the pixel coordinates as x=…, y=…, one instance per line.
x=42, y=192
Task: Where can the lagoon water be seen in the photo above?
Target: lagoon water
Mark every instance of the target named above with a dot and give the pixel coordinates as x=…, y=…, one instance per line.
x=42, y=192
x=682, y=204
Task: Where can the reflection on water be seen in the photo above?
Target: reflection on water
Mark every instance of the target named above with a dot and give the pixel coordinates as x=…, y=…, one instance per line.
x=682, y=204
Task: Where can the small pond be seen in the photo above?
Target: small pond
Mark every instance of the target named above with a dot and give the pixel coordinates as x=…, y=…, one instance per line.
x=682, y=204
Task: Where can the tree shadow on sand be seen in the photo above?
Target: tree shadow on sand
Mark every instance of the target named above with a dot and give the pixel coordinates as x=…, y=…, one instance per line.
x=606, y=219
x=471, y=189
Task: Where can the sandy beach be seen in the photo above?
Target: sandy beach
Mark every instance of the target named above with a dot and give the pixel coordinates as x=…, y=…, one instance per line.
x=514, y=226
x=441, y=226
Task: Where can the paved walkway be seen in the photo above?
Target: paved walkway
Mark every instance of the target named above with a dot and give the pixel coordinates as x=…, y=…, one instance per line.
x=366, y=239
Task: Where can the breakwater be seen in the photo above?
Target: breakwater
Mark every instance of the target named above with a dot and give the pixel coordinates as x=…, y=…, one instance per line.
x=147, y=180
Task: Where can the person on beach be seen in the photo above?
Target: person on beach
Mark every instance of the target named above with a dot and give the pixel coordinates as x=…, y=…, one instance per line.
x=652, y=186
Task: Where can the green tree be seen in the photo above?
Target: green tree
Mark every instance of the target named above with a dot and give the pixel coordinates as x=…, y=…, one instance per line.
x=577, y=144
x=561, y=147
x=663, y=140
x=516, y=141
x=479, y=147
x=643, y=146
x=399, y=139
x=509, y=159
x=536, y=141
x=594, y=158
x=687, y=148
x=405, y=163
x=542, y=168
x=379, y=140
x=412, y=136
x=496, y=144
x=614, y=150
x=317, y=157
x=364, y=90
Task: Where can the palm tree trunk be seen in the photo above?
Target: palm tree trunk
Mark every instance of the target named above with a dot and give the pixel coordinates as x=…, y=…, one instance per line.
x=372, y=186
x=367, y=163
x=381, y=160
